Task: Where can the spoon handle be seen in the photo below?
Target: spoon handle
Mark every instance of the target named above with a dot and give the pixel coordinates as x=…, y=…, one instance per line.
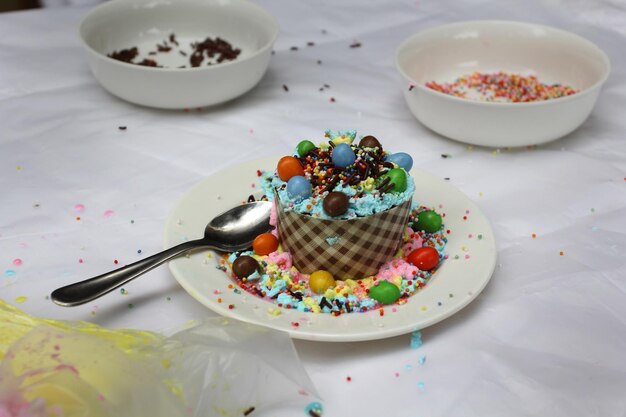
x=90, y=289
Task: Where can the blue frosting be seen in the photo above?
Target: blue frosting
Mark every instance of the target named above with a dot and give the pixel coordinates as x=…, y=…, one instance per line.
x=366, y=205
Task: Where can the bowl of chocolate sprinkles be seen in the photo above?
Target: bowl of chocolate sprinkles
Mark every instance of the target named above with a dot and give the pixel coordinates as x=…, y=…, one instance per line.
x=178, y=54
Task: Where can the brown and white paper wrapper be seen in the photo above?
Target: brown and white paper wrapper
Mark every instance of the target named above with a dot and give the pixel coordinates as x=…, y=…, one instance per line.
x=354, y=248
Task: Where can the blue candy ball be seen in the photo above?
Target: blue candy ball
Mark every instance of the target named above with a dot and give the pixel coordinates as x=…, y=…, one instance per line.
x=343, y=155
x=299, y=188
x=403, y=160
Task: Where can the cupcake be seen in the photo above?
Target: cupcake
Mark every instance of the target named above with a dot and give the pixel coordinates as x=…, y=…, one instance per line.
x=341, y=206
x=348, y=237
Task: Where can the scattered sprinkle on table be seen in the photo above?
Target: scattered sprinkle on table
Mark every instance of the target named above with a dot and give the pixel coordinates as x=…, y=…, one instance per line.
x=416, y=339
x=502, y=87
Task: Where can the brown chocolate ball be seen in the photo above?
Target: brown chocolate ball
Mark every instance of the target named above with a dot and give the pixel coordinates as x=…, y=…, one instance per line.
x=335, y=203
x=244, y=266
x=370, y=142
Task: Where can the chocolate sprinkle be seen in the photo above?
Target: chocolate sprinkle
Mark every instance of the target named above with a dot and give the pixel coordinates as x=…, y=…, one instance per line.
x=285, y=87
x=248, y=411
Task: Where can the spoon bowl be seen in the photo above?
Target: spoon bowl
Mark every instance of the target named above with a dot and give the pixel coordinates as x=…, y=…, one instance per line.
x=231, y=231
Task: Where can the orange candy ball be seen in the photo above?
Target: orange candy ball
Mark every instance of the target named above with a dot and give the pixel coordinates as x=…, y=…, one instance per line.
x=289, y=166
x=264, y=244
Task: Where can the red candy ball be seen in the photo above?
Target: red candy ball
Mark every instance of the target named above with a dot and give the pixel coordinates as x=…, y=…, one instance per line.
x=264, y=244
x=289, y=166
x=425, y=258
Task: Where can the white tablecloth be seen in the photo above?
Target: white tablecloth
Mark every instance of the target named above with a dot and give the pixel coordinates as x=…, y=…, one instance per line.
x=546, y=337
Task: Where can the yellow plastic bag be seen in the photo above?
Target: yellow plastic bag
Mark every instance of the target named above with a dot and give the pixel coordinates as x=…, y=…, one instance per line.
x=219, y=367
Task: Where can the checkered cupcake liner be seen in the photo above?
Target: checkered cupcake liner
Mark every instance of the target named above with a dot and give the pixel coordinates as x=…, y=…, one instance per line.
x=354, y=248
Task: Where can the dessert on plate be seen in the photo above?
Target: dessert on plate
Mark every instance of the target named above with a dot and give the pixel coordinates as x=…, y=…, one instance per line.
x=348, y=235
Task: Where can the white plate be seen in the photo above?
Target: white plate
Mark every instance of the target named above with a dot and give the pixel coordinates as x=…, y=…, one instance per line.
x=471, y=250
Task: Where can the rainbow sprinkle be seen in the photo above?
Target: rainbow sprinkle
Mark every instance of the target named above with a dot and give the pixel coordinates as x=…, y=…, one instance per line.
x=502, y=87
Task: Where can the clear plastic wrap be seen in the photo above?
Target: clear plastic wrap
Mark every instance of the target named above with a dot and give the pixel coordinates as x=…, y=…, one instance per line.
x=218, y=367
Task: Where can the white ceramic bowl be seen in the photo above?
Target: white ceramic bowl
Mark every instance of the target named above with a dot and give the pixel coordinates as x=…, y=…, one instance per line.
x=444, y=53
x=122, y=24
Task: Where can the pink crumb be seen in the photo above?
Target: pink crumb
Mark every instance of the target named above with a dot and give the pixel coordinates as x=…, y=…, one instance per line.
x=282, y=259
x=415, y=242
x=396, y=267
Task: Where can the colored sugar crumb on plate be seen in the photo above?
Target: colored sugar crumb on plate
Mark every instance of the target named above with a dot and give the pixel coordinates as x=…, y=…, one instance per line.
x=502, y=87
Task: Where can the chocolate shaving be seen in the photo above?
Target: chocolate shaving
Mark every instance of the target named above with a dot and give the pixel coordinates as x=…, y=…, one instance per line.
x=387, y=188
x=383, y=183
x=125, y=55
x=297, y=295
x=209, y=48
x=148, y=63
x=325, y=303
x=163, y=48
x=213, y=47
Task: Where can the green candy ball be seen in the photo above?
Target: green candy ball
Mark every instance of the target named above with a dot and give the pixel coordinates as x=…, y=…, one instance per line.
x=428, y=221
x=385, y=292
x=397, y=177
x=304, y=147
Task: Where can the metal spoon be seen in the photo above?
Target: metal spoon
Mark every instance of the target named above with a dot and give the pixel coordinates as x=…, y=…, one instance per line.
x=231, y=231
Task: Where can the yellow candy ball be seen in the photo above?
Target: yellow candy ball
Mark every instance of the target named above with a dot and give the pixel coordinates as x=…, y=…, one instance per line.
x=320, y=281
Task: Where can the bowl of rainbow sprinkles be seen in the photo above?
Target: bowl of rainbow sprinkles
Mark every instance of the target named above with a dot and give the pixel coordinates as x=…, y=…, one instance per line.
x=501, y=83
x=348, y=237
